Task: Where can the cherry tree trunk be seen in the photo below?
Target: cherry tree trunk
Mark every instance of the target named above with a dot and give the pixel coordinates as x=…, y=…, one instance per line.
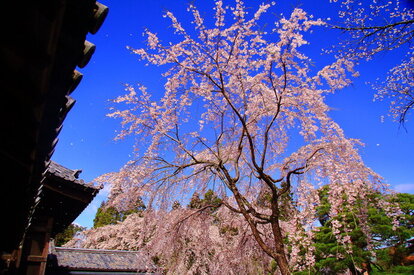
x=280, y=256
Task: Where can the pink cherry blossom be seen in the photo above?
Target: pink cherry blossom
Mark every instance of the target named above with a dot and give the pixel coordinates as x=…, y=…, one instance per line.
x=233, y=100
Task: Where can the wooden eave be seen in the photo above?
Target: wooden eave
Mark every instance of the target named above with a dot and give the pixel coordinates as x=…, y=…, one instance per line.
x=42, y=44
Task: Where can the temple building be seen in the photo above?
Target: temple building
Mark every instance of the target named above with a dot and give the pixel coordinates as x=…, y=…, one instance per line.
x=43, y=43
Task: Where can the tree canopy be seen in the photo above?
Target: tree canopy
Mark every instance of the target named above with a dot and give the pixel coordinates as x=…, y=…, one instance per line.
x=243, y=113
x=106, y=214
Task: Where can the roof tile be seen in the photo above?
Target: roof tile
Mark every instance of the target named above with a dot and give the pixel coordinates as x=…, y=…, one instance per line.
x=98, y=259
x=68, y=174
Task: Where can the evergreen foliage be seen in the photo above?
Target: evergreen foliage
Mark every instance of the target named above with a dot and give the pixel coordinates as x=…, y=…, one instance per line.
x=176, y=205
x=110, y=215
x=210, y=199
x=388, y=241
x=65, y=236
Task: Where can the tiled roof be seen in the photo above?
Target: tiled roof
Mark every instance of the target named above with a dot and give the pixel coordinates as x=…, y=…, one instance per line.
x=63, y=196
x=68, y=174
x=103, y=260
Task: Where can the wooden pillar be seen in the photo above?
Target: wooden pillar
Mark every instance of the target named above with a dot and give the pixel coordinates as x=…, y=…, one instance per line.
x=36, y=247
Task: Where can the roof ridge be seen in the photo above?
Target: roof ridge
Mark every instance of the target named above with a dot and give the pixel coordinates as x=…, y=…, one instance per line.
x=96, y=250
x=68, y=174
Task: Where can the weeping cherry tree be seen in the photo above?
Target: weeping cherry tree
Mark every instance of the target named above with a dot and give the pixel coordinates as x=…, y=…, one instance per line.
x=243, y=112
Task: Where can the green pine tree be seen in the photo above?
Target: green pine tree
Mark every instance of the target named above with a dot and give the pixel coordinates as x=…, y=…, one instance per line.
x=110, y=215
x=210, y=199
x=382, y=232
x=68, y=234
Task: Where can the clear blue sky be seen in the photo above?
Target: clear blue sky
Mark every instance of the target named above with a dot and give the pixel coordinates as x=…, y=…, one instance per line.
x=86, y=141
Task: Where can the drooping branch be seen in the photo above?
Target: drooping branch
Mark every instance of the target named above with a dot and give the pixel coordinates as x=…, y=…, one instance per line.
x=374, y=28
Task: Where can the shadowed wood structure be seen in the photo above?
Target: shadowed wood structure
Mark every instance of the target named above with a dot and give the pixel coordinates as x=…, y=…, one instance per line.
x=62, y=199
x=42, y=44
